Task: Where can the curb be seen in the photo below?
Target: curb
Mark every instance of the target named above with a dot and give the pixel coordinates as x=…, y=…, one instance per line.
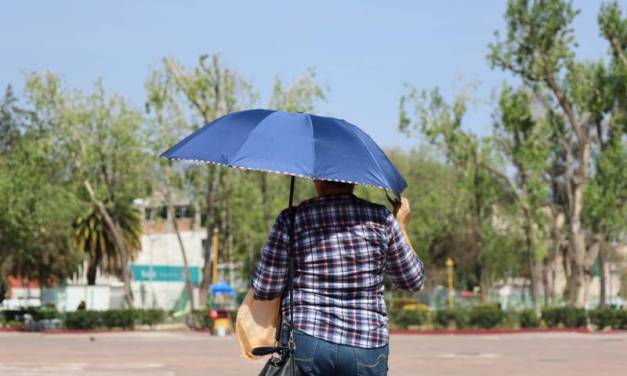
x=463, y=332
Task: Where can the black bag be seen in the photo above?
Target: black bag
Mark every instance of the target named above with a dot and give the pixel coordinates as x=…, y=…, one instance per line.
x=283, y=363
x=281, y=367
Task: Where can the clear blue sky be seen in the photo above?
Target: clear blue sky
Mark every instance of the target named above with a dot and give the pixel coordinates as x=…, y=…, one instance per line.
x=362, y=50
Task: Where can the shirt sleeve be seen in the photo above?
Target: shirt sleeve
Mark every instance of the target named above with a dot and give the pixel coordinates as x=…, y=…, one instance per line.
x=404, y=267
x=270, y=275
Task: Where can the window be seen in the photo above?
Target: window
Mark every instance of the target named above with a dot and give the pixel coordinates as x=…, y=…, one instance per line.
x=184, y=211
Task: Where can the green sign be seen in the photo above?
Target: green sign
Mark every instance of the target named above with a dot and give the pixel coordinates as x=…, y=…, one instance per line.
x=164, y=273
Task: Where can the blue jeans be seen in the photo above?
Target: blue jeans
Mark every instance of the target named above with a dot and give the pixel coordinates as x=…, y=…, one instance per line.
x=315, y=357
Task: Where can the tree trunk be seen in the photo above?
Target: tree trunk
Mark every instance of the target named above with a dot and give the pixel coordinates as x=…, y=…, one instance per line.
x=188, y=276
x=603, y=291
x=119, y=244
x=535, y=266
x=212, y=187
x=265, y=201
x=224, y=213
x=92, y=270
x=548, y=279
x=535, y=273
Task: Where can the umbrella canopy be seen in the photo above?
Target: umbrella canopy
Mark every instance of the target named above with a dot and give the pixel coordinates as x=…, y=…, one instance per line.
x=296, y=144
x=222, y=288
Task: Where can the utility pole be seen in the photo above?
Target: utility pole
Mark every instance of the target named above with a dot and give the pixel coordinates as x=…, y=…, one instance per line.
x=215, y=239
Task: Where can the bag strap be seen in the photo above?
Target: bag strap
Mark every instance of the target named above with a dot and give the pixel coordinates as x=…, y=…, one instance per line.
x=289, y=286
x=291, y=267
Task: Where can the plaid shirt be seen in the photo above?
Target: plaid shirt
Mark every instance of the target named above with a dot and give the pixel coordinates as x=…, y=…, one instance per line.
x=343, y=245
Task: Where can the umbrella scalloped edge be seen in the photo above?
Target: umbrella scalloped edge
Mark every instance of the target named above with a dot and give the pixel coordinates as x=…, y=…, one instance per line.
x=200, y=161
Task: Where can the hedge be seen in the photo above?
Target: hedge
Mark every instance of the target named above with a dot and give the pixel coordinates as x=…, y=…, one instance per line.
x=46, y=314
x=567, y=316
x=150, y=317
x=606, y=317
x=405, y=318
x=83, y=319
x=115, y=318
x=480, y=316
x=445, y=318
x=119, y=318
x=529, y=319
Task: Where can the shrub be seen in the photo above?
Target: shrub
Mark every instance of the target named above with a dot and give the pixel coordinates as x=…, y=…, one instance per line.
x=621, y=319
x=486, y=315
x=83, y=320
x=529, y=319
x=551, y=317
x=151, y=317
x=405, y=318
x=46, y=314
x=202, y=319
x=119, y=318
x=568, y=316
x=603, y=317
x=574, y=317
x=444, y=318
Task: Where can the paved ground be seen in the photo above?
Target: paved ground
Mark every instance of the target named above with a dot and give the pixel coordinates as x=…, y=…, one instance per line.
x=181, y=353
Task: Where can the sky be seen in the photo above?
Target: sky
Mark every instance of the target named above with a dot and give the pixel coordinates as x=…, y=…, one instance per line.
x=363, y=51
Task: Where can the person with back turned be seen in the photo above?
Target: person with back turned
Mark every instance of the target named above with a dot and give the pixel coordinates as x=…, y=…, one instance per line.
x=343, y=246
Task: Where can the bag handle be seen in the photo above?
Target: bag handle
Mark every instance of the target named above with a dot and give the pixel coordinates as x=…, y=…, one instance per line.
x=289, y=287
x=291, y=266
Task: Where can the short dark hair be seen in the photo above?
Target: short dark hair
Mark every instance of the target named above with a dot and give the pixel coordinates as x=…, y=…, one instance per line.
x=338, y=185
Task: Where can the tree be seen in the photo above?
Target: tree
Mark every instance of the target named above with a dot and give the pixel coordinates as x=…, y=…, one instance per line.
x=98, y=138
x=95, y=239
x=209, y=91
x=539, y=49
x=13, y=121
x=36, y=213
x=164, y=128
x=522, y=139
x=482, y=195
x=36, y=201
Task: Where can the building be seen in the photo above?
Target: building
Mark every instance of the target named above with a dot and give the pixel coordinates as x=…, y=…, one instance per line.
x=158, y=279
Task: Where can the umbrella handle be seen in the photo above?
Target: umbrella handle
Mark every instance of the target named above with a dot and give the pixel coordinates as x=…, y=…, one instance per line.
x=395, y=202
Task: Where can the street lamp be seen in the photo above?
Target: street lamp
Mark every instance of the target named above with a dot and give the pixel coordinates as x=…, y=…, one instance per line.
x=449, y=269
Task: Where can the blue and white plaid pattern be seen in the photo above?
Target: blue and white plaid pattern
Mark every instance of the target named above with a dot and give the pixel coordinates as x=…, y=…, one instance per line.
x=343, y=245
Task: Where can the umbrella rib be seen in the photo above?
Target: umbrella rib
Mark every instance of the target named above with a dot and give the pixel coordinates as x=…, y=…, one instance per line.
x=350, y=126
x=248, y=136
x=313, y=144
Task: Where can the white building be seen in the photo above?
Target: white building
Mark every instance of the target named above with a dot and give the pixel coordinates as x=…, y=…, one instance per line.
x=158, y=279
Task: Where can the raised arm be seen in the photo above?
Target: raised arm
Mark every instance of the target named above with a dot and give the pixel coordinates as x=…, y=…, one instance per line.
x=404, y=267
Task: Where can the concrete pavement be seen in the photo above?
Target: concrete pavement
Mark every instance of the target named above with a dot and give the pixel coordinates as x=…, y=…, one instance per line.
x=185, y=353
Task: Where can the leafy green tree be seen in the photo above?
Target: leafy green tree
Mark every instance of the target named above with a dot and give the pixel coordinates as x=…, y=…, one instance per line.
x=521, y=137
x=95, y=239
x=585, y=99
x=205, y=92
x=164, y=127
x=36, y=202
x=481, y=193
x=98, y=137
x=13, y=121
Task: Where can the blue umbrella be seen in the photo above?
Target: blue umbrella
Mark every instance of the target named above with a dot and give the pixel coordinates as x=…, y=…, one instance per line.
x=296, y=144
x=222, y=288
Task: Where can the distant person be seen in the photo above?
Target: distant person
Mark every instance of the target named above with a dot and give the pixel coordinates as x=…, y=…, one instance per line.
x=343, y=245
x=81, y=306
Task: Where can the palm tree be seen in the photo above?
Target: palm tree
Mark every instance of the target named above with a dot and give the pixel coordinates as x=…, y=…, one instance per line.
x=95, y=238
